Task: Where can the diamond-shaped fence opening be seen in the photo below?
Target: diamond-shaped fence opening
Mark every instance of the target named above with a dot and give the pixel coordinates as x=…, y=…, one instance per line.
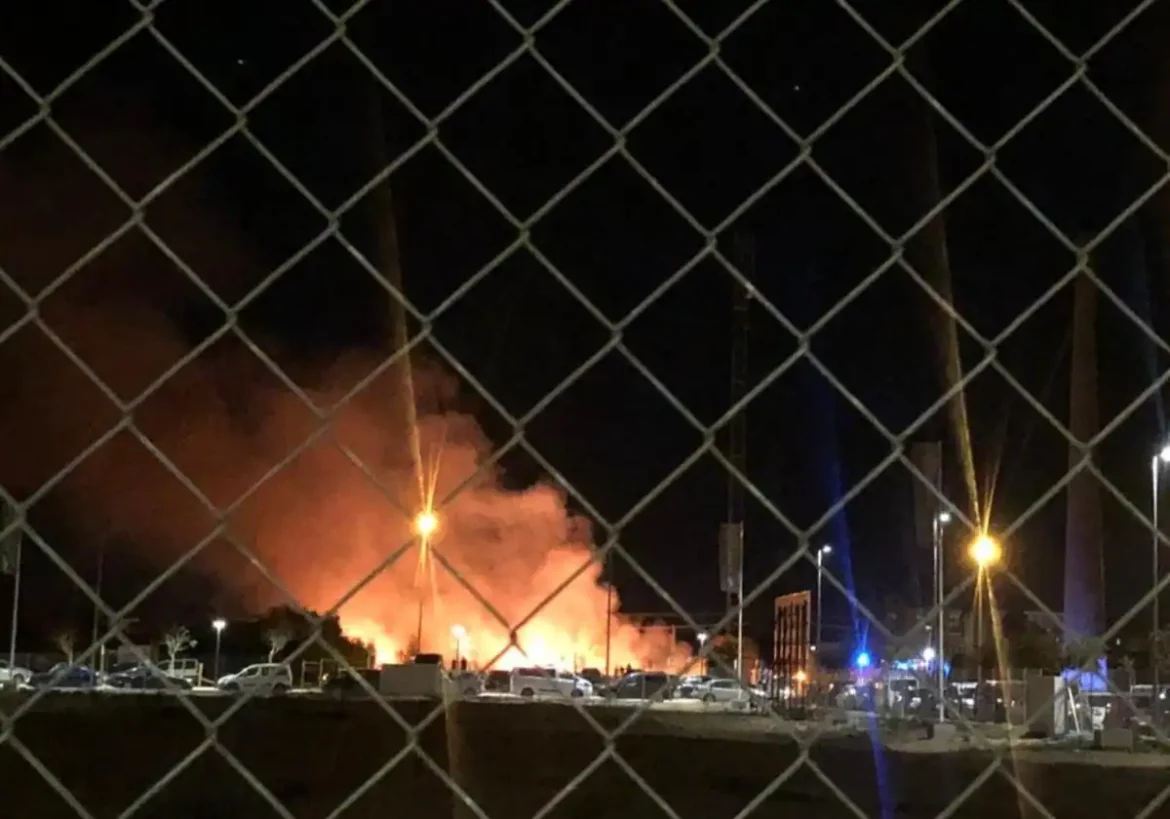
x=396, y=343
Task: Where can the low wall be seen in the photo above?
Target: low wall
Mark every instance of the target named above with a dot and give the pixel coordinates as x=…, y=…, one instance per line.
x=511, y=759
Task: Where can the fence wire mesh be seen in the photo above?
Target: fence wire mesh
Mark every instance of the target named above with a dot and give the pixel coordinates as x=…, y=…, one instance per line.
x=529, y=46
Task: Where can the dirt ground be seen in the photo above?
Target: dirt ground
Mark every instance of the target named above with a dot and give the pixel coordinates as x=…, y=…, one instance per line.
x=511, y=761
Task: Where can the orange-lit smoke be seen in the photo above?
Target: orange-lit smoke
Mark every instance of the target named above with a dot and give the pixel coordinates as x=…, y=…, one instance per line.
x=321, y=523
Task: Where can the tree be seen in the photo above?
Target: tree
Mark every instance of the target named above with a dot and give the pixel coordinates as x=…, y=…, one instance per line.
x=723, y=653
x=66, y=641
x=278, y=637
x=177, y=640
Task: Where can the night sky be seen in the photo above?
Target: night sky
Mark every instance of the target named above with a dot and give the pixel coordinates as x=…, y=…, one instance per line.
x=639, y=212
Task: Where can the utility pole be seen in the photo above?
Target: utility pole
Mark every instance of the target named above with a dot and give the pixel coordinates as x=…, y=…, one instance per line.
x=608, y=573
x=101, y=565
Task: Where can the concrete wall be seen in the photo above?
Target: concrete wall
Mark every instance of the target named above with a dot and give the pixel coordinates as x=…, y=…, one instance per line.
x=511, y=759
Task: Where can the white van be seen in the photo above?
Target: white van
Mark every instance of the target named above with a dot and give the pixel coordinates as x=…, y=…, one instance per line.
x=264, y=678
x=534, y=682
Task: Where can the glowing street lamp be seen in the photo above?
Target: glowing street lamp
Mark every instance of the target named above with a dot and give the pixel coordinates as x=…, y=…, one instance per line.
x=426, y=523
x=928, y=654
x=702, y=637
x=219, y=624
x=985, y=551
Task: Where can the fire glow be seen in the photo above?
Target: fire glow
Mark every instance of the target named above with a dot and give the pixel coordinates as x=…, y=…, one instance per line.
x=516, y=550
x=321, y=517
x=332, y=514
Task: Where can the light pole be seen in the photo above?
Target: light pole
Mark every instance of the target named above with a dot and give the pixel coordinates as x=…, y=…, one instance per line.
x=459, y=633
x=426, y=523
x=986, y=552
x=1161, y=457
x=219, y=624
x=821, y=553
x=939, y=523
x=17, y=543
x=702, y=636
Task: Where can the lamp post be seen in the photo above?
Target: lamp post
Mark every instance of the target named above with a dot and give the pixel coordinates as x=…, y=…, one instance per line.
x=1160, y=458
x=459, y=633
x=986, y=552
x=219, y=624
x=702, y=637
x=939, y=523
x=426, y=523
x=821, y=554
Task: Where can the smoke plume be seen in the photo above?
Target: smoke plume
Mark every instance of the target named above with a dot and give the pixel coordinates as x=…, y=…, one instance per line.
x=321, y=522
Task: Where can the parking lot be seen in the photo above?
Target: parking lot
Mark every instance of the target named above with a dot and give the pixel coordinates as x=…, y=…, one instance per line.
x=687, y=705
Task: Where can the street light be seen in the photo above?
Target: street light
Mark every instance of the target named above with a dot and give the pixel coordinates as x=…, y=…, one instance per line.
x=928, y=654
x=219, y=624
x=940, y=522
x=426, y=523
x=821, y=554
x=1160, y=458
x=702, y=638
x=985, y=551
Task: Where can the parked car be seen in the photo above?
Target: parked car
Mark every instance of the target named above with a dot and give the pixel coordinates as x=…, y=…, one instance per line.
x=13, y=674
x=342, y=685
x=185, y=668
x=642, y=685
x=497, y=681
x=734, y=692
x=265, y=678
x=145, y=678
x=693, y=687
x=118, y=668
x=467, y=683
x=533, y=682
x=65, y=675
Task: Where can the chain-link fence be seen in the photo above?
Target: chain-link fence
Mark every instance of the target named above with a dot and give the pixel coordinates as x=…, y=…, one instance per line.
x=579, y=735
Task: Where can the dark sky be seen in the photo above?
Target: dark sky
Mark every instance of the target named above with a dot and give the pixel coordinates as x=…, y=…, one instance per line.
x=504, y=154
